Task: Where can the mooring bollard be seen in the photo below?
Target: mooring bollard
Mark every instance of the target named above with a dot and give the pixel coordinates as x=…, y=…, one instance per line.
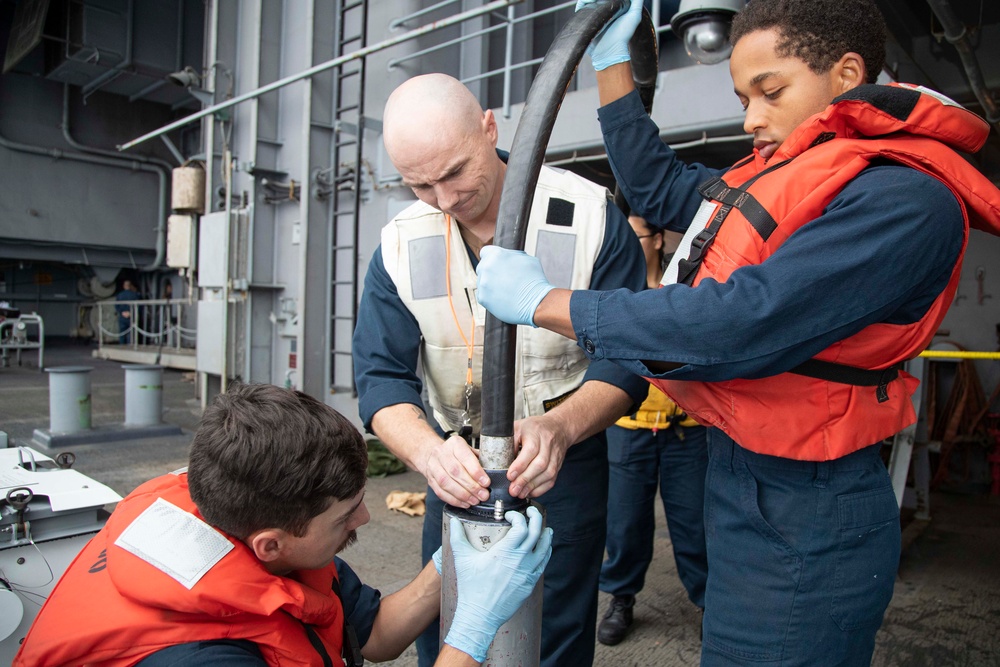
x=69, y=399
x=143, y=394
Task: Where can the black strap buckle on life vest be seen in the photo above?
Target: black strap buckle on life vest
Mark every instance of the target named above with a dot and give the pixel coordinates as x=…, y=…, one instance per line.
x=351, y=652
x=675, y=420
x=715, y=189
x=852, y=375
x=687, y=268
x=745, y=203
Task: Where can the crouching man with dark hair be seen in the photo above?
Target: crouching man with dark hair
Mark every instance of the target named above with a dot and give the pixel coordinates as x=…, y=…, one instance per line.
x=232, y=561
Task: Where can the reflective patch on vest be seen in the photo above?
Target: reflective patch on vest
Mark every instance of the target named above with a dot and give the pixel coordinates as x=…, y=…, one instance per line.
x=943, y=99
x=427, y=252
x=175, y=542
x=179, y=471
x=698, y=224
x=556, y=252
x=560, y=213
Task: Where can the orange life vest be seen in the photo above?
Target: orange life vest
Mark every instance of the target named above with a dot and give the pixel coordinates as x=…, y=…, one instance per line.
x=763, y=203
x=112, y=608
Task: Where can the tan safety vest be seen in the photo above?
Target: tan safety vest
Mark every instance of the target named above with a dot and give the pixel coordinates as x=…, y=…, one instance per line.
x=565, y=231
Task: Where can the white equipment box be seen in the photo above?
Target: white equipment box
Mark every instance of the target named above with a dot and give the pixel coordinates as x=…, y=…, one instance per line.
x=47, y=514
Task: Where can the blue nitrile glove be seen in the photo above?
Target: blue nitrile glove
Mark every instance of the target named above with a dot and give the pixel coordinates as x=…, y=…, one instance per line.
x=610, y=47
x=437, y=559
x=493, y=584
x=511, y=284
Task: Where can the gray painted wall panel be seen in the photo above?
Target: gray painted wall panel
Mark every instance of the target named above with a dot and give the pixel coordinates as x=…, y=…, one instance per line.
x=55, y=200
x=76, y=203
x=971, y=324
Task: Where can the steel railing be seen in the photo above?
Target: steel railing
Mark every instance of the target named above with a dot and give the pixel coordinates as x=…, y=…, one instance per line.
x=510, y=23
x=160, y=323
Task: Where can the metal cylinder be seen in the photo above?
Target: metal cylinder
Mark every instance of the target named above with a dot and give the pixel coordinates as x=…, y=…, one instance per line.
x=518, y=642
x=496, y=452
x=69, y=398
x=143, y=395
x=187, y=192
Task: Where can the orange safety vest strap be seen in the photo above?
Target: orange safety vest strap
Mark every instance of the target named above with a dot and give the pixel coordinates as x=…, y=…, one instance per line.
x=317, y=644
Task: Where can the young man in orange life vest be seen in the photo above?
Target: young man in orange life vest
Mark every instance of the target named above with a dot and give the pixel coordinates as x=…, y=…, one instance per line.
x=813, y=269
x=232, y=561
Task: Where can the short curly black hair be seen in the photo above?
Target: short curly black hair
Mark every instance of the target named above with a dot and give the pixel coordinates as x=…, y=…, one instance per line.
x=819, y=32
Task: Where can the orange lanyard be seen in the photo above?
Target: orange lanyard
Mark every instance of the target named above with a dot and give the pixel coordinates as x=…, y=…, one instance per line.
x=470, y=342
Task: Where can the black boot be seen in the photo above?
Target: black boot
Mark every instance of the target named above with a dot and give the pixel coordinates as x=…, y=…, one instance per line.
x=616, y=622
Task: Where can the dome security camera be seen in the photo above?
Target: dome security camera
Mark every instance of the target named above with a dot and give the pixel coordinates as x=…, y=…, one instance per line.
x=703, y=26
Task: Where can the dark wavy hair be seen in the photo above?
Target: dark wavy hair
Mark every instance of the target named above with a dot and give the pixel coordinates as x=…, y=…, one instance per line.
x=819, y=32
x=267, y=457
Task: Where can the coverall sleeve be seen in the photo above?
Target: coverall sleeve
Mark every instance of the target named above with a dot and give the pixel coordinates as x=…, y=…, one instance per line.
x=656, y=184
x=386, y=346
x=882, y=251
x=619, y=264
x=361, y=602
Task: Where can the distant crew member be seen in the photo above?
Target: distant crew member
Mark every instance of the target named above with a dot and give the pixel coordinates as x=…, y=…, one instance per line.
x=124, y=311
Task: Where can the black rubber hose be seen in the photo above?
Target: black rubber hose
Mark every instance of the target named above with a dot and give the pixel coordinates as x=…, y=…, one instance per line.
x=526, y=155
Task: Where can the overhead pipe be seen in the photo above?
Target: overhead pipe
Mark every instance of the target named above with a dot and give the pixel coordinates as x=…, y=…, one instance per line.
x=957, y=35
x=322, y=67
x=519, y=640
x=161, y=167
x=398, y=23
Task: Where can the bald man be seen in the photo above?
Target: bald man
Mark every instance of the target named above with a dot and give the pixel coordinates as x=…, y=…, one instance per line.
x=419, y=301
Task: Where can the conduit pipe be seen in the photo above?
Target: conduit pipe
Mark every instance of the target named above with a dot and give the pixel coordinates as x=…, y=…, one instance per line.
x=958, y=36
x=162, y=168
